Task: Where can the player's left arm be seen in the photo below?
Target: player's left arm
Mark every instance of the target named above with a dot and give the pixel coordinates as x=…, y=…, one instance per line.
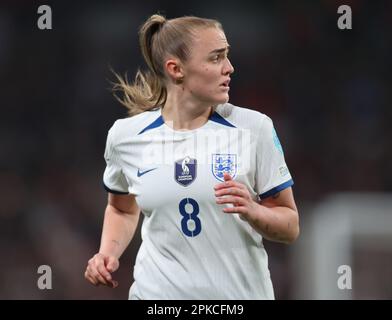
x=279, y=219
x=275, y=218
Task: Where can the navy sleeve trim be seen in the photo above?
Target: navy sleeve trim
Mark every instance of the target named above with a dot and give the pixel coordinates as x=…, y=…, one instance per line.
x=114, y=191
x=277, y=189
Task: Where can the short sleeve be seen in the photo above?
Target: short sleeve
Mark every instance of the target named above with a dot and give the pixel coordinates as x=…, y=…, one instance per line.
x=272, y=174
x=114, y=180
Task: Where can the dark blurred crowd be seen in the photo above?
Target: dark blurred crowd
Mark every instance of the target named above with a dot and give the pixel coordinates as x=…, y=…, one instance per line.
x=327, y=90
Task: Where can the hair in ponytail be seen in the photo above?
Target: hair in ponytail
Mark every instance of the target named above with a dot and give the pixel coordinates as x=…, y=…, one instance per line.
x=158, y=38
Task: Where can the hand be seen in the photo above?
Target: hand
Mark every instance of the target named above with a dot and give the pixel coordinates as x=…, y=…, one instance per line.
x=99, y=270
x=237, y=194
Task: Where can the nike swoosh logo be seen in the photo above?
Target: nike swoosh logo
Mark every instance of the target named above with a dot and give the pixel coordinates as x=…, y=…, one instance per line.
x=140, y=173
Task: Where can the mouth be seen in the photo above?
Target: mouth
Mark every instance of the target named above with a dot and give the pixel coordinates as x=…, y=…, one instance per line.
x=225, y=84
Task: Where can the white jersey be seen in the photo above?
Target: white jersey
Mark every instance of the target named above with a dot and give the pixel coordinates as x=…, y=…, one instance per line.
x=190, y=248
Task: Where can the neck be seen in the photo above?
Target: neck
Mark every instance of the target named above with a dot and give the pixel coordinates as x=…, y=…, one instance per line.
x=182, y=113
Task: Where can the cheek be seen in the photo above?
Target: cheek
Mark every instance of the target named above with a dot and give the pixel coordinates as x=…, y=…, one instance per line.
x=211, y=73
x=207, y=70
x=204, y=80
x=210, y=78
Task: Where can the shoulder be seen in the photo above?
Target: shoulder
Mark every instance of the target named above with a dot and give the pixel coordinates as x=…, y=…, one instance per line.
x=131, y=126
x=243, y=118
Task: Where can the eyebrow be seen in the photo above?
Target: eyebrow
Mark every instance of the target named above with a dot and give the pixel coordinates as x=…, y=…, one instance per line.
x=220, y=50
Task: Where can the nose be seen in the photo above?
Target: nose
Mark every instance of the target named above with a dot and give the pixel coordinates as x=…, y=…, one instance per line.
x=228, y=67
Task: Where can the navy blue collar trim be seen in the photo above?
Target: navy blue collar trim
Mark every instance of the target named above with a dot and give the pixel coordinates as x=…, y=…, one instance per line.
x=216, y=117
x=157, y=123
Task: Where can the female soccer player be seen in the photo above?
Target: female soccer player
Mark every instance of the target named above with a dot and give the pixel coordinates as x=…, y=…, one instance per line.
x=209, y=177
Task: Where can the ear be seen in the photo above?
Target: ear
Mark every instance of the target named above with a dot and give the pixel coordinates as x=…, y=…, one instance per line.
x=174, y=70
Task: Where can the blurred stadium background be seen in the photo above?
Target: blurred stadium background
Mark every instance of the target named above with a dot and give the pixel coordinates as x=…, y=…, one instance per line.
x=328, y=91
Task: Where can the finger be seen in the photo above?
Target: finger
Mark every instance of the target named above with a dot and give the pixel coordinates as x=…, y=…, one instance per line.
x=97, y=276
x=227, y=176
x=88, y=271
x=112, y=264
x=104, y=272
x=95, y=262
x=101, y=280
x=239, y=210
x=231, y=199
x=91, y=280
x=113, y=284
x=228, y=184
x=235, y=191
x=92, y=276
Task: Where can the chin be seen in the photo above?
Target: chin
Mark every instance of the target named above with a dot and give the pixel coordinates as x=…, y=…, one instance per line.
x=218, y=100
x=223, y=99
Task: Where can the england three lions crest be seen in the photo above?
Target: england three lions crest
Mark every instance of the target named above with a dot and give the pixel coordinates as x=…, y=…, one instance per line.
x=185, y=171
x=222, y=163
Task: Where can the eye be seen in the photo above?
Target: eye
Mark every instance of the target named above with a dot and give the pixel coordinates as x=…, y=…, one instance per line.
x=220, y=56
x=216, y=58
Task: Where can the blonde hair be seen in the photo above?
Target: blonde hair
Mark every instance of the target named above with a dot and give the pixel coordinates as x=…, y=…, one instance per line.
x=158, y=38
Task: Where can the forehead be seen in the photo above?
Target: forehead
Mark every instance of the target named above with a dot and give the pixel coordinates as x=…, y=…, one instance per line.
x=209, y=39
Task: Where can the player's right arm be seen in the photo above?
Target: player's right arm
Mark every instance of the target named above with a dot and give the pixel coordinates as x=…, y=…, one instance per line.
x=120, y=222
